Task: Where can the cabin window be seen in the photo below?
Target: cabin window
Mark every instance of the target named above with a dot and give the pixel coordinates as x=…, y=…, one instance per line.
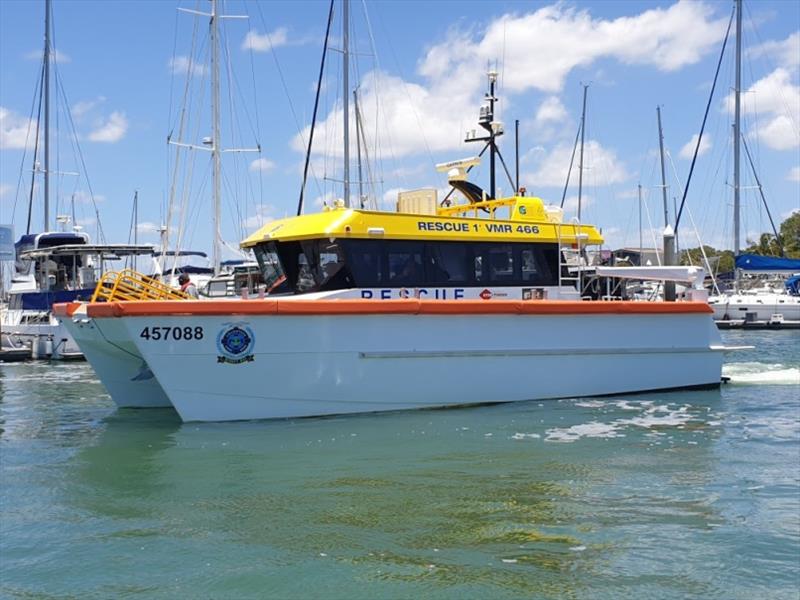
x=326, y=263
x=499, y=258
x=535, y=266
x=448, y=264
x=366, y=263
x=405, y=264
x=270, y=263
x=318, y=265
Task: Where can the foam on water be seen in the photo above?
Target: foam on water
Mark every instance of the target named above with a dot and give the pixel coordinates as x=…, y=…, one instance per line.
x=762, y=373
x=652, y=417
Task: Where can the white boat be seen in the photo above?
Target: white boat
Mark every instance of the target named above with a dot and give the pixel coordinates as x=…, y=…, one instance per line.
x=752, y=301
x=765, y=300
x=431, y=306
x=54, y=267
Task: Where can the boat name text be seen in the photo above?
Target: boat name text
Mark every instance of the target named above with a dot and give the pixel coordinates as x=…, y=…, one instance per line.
x=476, y=227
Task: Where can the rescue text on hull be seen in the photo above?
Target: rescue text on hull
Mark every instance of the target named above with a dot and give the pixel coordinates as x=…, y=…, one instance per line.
x=262, y=359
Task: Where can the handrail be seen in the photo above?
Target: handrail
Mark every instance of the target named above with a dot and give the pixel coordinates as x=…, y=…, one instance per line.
x=128, y=285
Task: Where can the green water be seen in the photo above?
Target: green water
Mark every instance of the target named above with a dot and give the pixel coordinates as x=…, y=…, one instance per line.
x=678, y=495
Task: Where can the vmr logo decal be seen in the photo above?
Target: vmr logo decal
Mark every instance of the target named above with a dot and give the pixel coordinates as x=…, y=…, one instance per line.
x=235, y=343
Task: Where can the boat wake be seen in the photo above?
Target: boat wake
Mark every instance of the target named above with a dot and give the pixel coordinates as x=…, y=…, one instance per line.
x=750, y=373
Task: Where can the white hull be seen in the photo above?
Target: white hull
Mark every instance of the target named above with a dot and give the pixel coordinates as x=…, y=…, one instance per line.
x=116, y=361
x=758, y=307
x=314, y=365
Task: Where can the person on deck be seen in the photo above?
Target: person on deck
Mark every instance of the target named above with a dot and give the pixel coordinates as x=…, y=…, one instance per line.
x=187, y=287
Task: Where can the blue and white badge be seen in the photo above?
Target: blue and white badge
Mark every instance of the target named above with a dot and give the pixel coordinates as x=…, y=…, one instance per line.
x=235, y=343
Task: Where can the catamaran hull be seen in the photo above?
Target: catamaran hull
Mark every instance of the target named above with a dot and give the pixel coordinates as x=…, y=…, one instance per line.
x=116, y=361
x=238, y=367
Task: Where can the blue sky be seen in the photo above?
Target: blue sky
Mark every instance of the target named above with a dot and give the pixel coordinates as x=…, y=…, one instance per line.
x=421, y=68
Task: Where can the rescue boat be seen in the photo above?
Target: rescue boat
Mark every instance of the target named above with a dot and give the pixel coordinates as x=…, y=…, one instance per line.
x=435, y=305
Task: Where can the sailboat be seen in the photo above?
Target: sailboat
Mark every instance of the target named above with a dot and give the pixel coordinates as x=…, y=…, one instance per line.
x=52, y=265
x=770, y=304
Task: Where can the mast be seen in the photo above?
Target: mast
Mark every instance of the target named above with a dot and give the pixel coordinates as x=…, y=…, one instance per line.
x=359, y=133
x=215, y=141
x=516, y=160
x=641, y=242
x=493, y=147
x=346, y=95
x=580, y=162
x=47, y=10
x=736, y=128
x=663, y=174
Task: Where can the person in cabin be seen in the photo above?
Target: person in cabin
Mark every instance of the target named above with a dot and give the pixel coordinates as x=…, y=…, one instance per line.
x=187, y=287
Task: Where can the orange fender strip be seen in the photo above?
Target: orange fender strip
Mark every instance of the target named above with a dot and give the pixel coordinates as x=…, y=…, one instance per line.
x=388, y=307
x=65, y=309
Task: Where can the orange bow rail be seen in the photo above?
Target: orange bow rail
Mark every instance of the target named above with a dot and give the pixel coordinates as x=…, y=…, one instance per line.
x=128, y=285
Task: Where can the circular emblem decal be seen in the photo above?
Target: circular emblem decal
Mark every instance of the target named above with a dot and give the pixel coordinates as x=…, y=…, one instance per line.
x=235, y=343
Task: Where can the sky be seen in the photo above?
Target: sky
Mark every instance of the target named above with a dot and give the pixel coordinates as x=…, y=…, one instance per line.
x=130, y=75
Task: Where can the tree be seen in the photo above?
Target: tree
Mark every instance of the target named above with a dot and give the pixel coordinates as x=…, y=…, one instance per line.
x=790, y=234
x=767, y=245
x=721, y=261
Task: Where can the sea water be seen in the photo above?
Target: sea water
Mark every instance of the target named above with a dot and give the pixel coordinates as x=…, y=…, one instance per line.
x=664, y=495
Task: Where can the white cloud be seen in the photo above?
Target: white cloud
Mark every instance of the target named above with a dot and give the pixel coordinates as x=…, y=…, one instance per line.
x=4, y=189
x=16, y=131
x=181, y=65
x=540, y=49
x=264, y=214
x=571, y=203
x=84, y=106
x=148, y=228
x=786, y=52
x=261, y=164
x=780, y=133
x=687, y=151
x=551, y=111
x=83, y=197
x=793, y=174
x=776, y=100
x=601, y=167
x=112, y=130
x=55, y=56
x=261, y=42
x=403, y=108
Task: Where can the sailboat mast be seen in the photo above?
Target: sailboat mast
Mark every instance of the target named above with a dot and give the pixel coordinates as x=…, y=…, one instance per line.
x=641, y=241
x=580, y=162
x=215, y=140
x=346, y=95
x=736, y=128
x=359, y=133
x=47, y=11
x=663, y=173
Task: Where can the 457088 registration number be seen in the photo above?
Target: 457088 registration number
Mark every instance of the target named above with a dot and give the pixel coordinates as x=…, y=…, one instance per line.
x=172, y=333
